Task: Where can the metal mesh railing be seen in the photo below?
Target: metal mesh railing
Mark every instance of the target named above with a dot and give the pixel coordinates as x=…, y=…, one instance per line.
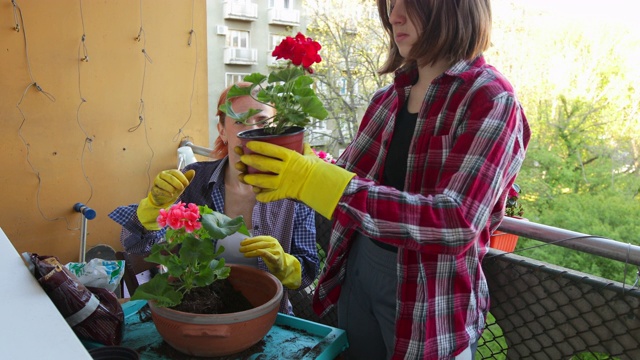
x=539, y=310
x=301, y=300
x=542, y=311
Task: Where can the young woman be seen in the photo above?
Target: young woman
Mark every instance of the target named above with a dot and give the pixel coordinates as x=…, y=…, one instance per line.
x=283, y=232
x=418, y=191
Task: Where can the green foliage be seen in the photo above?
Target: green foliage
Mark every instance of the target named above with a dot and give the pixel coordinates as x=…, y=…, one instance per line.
x=514, y=205
x=492, y=344
x=586, y=214
x=580, y=88
x=191, y=261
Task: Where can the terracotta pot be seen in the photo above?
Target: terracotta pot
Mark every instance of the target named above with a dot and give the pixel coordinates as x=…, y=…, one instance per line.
x=212, y=335
x=504, y=241
x=292, y=138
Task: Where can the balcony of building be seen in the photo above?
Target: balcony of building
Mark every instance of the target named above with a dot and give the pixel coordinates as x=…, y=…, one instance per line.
x=283, y=16
x=243, y=10
x=240, y=56
x=272, y=62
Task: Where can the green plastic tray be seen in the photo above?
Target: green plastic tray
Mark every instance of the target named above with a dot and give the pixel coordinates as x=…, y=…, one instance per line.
x=289, y=338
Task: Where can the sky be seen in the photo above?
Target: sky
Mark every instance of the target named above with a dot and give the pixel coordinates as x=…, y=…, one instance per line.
x=613, y=11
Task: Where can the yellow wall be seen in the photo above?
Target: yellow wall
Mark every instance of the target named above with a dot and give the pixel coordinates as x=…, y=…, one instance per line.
x=47, y=166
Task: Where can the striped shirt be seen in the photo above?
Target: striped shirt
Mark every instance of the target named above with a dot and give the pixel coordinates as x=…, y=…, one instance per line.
x=292, y=223
x=468, y=146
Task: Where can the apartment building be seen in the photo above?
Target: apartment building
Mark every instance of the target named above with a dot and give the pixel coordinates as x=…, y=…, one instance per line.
x=241, y=34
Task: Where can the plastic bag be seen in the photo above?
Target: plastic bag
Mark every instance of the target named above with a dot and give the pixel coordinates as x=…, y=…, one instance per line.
x=93, y=313
x=100, y=273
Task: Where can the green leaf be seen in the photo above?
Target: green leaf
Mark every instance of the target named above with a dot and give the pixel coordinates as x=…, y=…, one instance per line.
x=158, y=289
x=204, y=277
x=220, y=226
x=243, y=117
x=220, y=270
x=236, y=90
x=303, y=81
x=176, y=267
x=161, y=254
x=195, y=251
x=255, y=78
x=313, y=106
x=285, y=75
x=303, y=92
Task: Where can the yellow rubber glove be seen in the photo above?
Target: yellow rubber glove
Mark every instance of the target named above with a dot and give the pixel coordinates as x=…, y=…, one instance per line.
x=307, y=178
x=167, y=187
x=284, y=266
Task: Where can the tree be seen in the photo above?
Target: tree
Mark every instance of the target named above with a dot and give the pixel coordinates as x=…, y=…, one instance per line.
x=354, y=48
x=579, y=88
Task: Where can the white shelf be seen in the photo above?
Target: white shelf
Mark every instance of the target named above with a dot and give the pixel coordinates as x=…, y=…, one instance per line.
x=32, y=326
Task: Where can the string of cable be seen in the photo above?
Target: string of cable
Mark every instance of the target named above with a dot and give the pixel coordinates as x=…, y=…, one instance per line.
x=626, y=264
x=193, y=39
x=21, y=28
x=83, y=57
x=141, y=113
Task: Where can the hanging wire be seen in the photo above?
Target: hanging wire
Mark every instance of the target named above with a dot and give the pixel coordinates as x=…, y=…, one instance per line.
x=626, y=264
x=19, y=21
x=193, y=38
x=88, y=140
x=17, y=15
x=28, y=155
x=141, y=114
x=546, y=244
x=16, y=10
x=82, y=42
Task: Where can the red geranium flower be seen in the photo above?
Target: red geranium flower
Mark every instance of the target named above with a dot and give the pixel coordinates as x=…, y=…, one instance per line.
x=288, y=88
x=301, y=50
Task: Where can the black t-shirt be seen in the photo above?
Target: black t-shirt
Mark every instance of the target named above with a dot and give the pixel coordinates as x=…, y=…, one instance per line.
x=395, y=166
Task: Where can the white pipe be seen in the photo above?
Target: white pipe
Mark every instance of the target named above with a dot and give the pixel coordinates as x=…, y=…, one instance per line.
x=197, y=149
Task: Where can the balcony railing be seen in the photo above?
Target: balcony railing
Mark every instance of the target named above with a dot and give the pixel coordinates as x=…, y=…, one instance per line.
x=543, y=311
x=240, y=56
x=539, y=310
x=240, y=10
x=281, y=16
x=272, y=62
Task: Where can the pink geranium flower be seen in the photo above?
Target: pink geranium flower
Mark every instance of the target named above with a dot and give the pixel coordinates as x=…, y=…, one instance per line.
x=325, y=156
x=181, y=217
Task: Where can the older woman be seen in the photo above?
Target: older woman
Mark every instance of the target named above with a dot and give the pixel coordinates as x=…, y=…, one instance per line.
x=283, y=241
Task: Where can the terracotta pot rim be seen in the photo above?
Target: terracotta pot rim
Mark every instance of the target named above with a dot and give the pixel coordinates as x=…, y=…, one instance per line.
x=230, y=318
x=289, y=131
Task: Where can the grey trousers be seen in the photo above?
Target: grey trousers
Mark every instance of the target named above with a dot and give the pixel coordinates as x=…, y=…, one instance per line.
x=367, y=304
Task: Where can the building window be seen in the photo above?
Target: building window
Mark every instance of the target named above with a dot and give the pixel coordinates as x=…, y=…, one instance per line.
x=281, y=4
x=238, y=39
x=276, y=40
x=233, y=78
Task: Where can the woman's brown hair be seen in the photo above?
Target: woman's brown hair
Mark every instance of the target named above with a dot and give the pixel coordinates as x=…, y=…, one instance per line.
x=220, y=149
x=450, y=30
